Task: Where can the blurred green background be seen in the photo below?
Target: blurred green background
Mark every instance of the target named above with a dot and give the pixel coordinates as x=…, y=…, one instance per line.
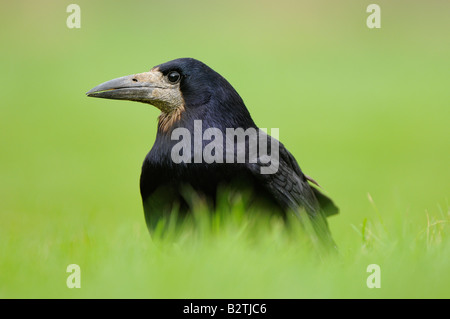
x=364, y=111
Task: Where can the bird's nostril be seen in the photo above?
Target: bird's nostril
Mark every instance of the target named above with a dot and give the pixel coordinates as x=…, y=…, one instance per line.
x=134, y=80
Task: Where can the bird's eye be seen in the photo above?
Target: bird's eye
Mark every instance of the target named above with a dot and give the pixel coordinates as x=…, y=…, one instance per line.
x=173, y=77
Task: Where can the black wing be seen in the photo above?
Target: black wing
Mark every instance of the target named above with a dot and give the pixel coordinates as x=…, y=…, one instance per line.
x=291, y=188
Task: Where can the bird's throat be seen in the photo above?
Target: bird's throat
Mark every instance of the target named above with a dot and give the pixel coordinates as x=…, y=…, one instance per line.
x=166, y=120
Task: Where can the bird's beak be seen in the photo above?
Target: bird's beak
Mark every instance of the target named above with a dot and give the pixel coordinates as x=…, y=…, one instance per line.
x=149, y=87
x=131, y=87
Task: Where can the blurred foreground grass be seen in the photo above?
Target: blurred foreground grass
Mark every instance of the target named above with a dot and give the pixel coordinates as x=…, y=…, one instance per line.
x=229, y=254
x=364, y=112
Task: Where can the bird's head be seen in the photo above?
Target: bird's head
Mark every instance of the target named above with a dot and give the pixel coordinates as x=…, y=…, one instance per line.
x=175, y=87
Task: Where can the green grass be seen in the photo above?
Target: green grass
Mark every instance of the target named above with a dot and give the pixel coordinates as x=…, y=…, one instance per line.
x=365, y=112
x=229, y=254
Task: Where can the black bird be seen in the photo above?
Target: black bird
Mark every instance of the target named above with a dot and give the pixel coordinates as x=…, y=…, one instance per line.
x=186, y=91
